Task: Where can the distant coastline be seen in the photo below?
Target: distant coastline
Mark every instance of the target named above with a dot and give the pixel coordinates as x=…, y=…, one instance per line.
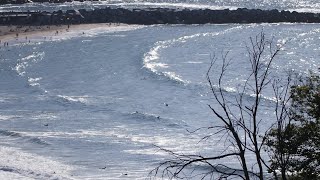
x=156, y=16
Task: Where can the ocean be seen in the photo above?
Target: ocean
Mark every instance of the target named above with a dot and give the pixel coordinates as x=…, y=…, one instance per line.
x=97, y=105
x=291, y=5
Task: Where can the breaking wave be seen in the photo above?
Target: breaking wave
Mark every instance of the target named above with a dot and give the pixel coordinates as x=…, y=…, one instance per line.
x=152, y=59
x=20, y=136
x=21, y=165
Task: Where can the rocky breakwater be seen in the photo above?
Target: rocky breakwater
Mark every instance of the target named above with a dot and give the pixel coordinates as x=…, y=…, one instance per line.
x=156, y=16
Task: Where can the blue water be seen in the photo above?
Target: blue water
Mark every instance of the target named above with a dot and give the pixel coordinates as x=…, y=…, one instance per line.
x=98, y=104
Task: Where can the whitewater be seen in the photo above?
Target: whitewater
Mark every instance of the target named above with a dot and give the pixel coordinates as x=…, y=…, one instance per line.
x=95, y=104
x=291, y=5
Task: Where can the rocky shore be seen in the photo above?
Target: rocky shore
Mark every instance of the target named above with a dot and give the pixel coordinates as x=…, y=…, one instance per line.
x=156, y=16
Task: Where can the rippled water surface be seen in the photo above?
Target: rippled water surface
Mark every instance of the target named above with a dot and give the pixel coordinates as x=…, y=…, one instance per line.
x=93, y=105
x=292, y=5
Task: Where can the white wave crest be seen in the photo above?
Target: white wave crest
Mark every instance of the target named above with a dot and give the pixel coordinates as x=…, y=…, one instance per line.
x=174, y=76
x=81, y=99
x=4, y=117
x=34, y=81
x=25, y=62
x=20, y=165
x=90, y=31
x=151, y=59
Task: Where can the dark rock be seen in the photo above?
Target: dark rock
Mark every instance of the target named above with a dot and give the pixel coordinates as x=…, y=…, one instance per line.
x=156, y=16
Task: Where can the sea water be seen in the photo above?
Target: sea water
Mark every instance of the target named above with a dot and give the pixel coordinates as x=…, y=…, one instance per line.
x=291, y=5
x=98, y=105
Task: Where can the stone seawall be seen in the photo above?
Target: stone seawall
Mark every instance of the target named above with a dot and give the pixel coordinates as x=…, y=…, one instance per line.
x=156, y=16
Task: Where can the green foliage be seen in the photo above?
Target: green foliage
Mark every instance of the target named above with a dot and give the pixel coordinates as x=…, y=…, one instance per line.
x=296, y=145
x=306, y=114
x=306, y=99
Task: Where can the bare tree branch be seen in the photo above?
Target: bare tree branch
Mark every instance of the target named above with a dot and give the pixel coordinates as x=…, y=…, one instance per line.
x=241, y=123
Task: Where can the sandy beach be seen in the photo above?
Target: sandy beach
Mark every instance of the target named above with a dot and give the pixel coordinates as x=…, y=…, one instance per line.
x=9, y=33
x=27, y=33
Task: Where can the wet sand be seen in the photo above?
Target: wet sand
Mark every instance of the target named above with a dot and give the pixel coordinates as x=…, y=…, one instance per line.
x=25, y=33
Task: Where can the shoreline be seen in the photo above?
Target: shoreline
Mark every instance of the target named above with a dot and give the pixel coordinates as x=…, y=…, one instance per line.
x=27, y=34
x=10, y=33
